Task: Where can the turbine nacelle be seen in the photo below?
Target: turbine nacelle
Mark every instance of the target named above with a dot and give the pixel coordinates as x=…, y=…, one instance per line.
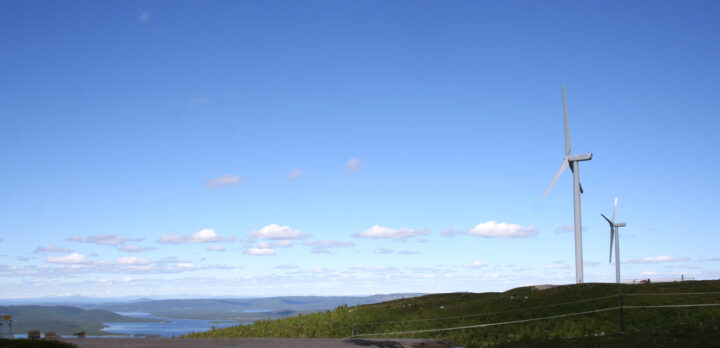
x=578, y=158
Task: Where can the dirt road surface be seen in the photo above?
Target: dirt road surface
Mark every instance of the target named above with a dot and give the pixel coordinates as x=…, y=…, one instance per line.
x=255, y=342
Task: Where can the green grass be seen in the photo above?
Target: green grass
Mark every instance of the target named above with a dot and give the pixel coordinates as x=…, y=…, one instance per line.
x=466, y=309
x=26, y=343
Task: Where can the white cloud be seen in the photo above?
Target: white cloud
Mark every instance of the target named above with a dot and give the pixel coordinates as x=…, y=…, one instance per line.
x=51, y=249
x=72, y=259
x=215, y=248
x=321, y=251
x=476, y=264
x=103, y=239
x=134, y=248
x=132, y=261
x=492, y=229
x=658, y=259
x=275, y=231
x=383, y=251
x=259, y=251
x=225, y=180
x=354, y=165
x=295, y=173
x=207, y=235
x=715, y=259
x=391, y=233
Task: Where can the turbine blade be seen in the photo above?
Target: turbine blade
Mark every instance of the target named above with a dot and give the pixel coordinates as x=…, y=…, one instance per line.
x=612, y=236
x=563, y=166
x=614, y=210
x=606, y=219
x=568, y=143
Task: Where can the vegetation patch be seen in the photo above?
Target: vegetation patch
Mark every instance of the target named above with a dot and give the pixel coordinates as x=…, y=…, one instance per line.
x=579, y=312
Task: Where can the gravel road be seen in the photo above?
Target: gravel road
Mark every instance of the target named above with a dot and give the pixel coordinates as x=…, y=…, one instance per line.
x=255, y=342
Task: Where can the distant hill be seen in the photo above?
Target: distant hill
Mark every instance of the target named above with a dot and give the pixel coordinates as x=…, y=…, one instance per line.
x=244, y=309
x=63, y=320
x=591, y=308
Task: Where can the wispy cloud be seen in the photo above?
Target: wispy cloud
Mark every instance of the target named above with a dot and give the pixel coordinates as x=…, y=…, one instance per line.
x=567, y=229
x=225, y=180
x=328, y=244
x=286, y=266
x=476, y=264
x=391, y=233
x=51, y=249
x=207, y=235
x=72, y=259
x=354, y=165
x=448, y=232
x=295, y=174
x=275, y=231
x=557, y=265
x=198, y=101
x=259, y=251
x=144, y=16
x=134, y=248
x=102, y=239
x=215, y=248
x=383, y=251
x=658, y=259
x=408, y=252
x=492, y=229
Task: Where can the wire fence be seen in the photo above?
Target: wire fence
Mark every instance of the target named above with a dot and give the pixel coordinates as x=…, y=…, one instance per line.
x=463, y=327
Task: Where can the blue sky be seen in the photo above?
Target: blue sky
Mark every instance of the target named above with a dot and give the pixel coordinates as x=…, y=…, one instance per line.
x=218, y=148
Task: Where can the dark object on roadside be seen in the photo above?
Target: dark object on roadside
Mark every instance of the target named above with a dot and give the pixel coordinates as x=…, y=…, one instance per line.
x=79, y=334
x=375, y=343
x=645, y=281
x=34, y=334
x=50, y=336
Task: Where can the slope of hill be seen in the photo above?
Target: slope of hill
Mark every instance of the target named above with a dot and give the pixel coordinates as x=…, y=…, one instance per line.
x=63, y=320
x=244, y=309
x=576, y=311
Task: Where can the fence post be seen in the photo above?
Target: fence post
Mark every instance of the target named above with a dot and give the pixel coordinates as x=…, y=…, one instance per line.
x=622, y=319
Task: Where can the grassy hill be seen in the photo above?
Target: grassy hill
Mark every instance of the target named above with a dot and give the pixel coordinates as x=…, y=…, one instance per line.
x=63, y=320
x=528, y=303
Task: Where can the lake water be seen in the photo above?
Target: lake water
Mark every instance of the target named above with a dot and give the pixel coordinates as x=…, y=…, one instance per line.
x=166, y=328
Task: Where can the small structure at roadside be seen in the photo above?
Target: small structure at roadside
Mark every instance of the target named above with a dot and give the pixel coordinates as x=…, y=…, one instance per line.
x=6, y=327
x=34, y=334
x=50, y=336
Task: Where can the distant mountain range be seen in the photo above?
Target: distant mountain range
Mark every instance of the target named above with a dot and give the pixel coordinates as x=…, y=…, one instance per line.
x=63, y=320
x=89, y=317
x=244, y=309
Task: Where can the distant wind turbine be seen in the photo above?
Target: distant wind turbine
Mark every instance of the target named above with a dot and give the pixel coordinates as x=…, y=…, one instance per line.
x=614, y=232
x=572, y=162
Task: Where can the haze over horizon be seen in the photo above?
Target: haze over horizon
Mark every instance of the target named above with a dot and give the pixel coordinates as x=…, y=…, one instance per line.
x=152, y=148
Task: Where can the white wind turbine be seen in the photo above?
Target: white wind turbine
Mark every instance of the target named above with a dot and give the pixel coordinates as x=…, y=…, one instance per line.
x=572, y=162
x=614, y=232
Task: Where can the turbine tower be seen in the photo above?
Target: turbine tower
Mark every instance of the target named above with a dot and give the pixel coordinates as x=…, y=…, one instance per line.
x=614, y=232
x=572, y=161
